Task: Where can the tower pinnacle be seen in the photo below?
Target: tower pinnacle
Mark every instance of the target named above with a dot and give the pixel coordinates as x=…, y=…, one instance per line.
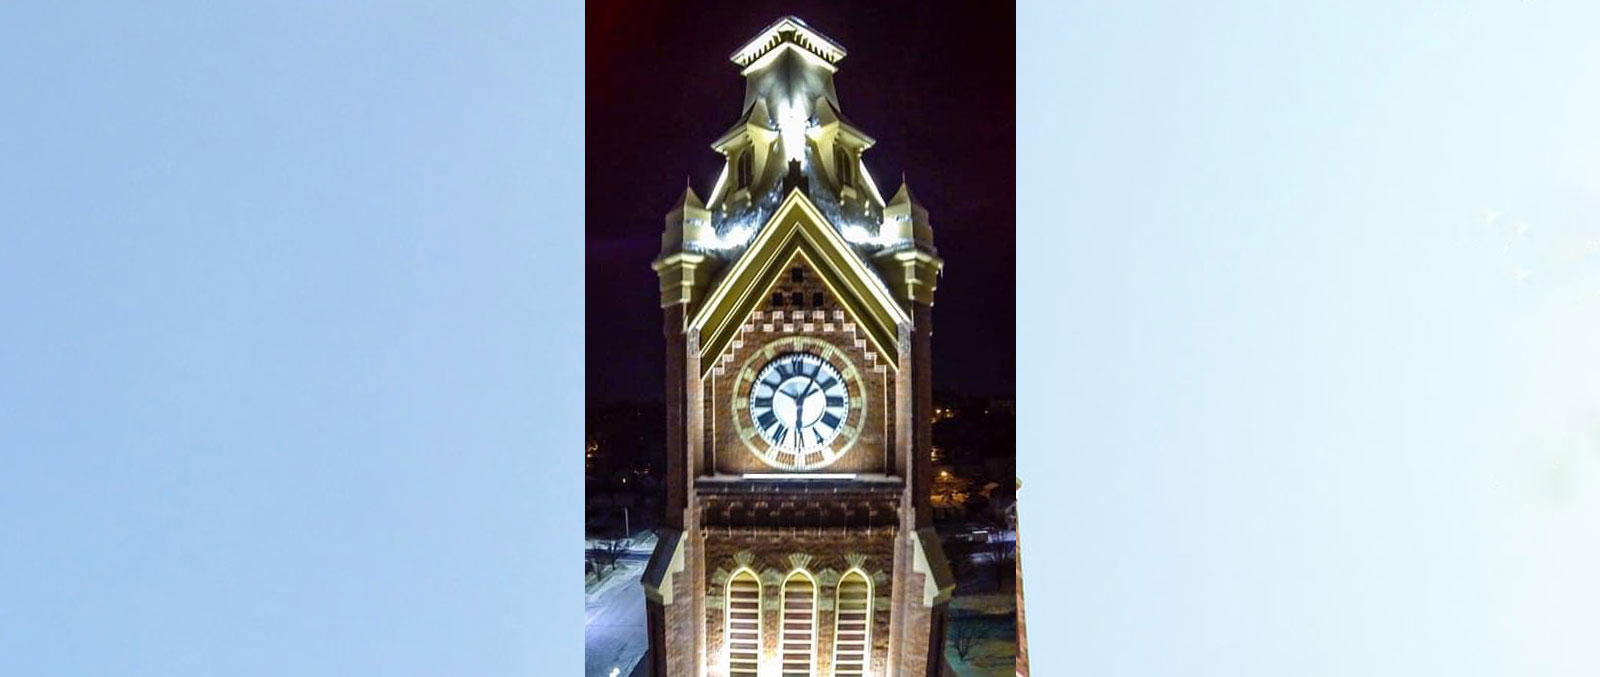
x=789, y=67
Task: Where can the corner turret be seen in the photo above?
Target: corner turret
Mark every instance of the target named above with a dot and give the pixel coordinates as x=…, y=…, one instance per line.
x=688, y=227
x=911, y=268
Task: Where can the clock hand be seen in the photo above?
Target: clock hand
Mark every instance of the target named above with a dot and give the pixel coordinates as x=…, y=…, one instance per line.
x=800, y=401
x=799, y=409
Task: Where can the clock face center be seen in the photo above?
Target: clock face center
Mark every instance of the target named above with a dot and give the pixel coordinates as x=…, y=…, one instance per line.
x=799, y=404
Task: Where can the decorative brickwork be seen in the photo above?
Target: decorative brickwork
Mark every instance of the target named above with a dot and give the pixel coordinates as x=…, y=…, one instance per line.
x=816, y=323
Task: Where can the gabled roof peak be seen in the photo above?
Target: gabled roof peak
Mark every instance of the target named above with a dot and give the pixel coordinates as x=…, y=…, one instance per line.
x=798, y=226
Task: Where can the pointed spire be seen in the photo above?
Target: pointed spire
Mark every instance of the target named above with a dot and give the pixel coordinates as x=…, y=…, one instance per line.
x=688, y=198
x=904, y=218
x=904, y=196
x=687, y=222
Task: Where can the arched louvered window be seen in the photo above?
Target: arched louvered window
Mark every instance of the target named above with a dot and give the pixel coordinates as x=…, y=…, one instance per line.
x=851, y=629
x=799, y=625
x=841, y=162
x=745, y=171
x=744, y=624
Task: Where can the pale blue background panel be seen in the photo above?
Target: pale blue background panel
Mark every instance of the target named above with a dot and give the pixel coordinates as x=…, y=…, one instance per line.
x=1309, y=305
x=290, y=338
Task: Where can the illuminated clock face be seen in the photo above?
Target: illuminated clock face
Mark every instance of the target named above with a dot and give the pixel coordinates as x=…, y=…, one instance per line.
x=799, y=403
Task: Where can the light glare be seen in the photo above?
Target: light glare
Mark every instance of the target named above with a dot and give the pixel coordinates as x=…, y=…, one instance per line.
x=792, y=128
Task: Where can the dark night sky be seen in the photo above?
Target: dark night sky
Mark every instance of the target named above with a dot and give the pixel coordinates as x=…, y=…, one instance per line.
x=934, y=83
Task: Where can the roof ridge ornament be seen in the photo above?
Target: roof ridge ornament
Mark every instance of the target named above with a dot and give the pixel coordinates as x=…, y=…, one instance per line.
x=788, y=30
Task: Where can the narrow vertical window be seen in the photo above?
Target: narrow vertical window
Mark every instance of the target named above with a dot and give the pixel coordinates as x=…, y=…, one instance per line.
x=852, y=616
x=744, y=624
x=744, y=169
x=799, y=625
x=841, y=161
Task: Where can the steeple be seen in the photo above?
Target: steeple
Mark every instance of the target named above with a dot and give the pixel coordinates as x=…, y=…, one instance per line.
x=791, y=116
x=789, y=66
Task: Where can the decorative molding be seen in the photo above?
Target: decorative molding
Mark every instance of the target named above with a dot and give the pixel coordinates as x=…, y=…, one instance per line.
x=799, y=560
x=786, y=31
x=827, y=578
x=770, y=577
x=743, y=558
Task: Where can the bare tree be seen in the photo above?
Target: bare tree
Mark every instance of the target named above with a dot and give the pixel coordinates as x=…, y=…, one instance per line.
x=959, y=555
x=965, y=636
x=604, y=557
x=1002, y=555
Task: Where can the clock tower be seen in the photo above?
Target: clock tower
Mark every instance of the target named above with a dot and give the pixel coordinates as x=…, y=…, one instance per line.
x=797, y=308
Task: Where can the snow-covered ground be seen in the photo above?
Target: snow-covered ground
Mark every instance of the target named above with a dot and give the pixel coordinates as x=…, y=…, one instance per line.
x=987, y=613
x=614, y=635
x=994, y=620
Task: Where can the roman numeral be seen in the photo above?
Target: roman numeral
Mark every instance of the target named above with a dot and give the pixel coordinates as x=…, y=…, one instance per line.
x=830, y=420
